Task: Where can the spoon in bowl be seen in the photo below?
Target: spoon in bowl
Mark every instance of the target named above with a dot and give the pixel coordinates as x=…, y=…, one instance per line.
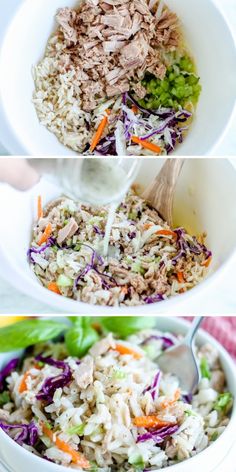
x=160, y=193
x=180, y=360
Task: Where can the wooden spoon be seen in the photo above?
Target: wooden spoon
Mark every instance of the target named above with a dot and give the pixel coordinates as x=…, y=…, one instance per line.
x=160, y=193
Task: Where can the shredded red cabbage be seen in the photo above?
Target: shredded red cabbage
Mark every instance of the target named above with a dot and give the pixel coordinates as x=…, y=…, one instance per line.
x=50, y=242
x=28, y=433
x=159, y=435
x=154, y=298
x=166, y=341
x=53, y=383
x=98, y=230
x=187, y=398
x=96, y=259
x=154, y=387
x=5, y=372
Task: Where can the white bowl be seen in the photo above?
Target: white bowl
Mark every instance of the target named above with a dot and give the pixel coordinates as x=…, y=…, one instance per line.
x=24, y=30
x=18, y=459
x=203, y=202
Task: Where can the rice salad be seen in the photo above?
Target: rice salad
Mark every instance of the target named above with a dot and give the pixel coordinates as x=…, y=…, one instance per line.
x=146, y=263
x=117, y=79
x=113, y=409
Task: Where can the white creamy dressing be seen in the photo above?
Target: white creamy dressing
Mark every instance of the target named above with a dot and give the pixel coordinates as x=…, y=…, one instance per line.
x=97, y=182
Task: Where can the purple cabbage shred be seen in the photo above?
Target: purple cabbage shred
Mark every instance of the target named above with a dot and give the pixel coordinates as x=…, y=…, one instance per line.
x=159, y=435
x=6, y=371
x=28, y=433
x=51, y=384
x=154, y=387
x=166, y=341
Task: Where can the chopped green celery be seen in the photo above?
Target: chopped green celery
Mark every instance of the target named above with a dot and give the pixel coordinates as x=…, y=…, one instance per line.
x=48, y=425
x=79, y=430
x=204, y=367
x=223, y=402
x=64, y=281
x=77, y=247
x=214, y=436
x=54, y=248
x=150, y=350
x=179, y=86
x=119, y=374
x=132, y=215
x=137, y=461
x=190, y=413
x=65, y=222
x=4, y=398
x=137, y=268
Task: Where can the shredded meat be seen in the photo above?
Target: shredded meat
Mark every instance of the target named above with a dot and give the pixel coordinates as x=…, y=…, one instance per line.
x=111, y=43
x=68, y=231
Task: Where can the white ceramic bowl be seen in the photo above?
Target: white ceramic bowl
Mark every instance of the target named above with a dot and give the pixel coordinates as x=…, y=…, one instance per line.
x=18, y=459
x=24, y=29
x=203, y=202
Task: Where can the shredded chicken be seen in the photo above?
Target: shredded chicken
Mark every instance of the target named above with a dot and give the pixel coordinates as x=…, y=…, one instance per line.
x=111, y=43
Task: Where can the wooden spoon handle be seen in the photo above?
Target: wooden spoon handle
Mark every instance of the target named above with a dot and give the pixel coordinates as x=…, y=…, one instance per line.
x=160, y=193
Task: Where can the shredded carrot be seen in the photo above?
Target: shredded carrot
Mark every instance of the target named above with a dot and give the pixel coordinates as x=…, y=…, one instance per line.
x=99, y=131
x=127, y=350
x=167, y=403
x=40, y=208
x=150, y=422
x=124, y=289
x=147, y=225
x=180, y=277
x=46, y=234
x=23, y=385
x=134, y=109
x=77, y=458
x=167, y=232
x=146, y=144
x=54, y=288
x=207, y=262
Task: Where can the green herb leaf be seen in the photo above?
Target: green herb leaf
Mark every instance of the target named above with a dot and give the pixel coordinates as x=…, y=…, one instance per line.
x=204, y=367
x=125, y=325
x=4, y=398
x=29, y=332
x=80, y=337
x=223, y=402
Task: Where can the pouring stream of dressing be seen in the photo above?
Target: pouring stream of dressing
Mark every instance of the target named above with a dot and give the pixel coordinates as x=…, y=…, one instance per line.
x=98, y=182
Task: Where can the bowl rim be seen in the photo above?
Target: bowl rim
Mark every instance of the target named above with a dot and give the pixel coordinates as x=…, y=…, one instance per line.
x=202, y=337
x=14, y=145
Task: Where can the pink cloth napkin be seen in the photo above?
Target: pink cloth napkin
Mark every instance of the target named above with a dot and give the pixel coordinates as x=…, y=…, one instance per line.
x=224, y=330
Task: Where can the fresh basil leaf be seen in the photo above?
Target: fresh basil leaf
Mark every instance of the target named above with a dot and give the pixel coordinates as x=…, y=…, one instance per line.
x=29, y=332
x=80, y=338
x=80, y=320
x=124, y=326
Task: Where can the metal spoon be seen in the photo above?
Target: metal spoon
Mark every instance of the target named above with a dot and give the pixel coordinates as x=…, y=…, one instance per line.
x=160, y=193
x=180, y=360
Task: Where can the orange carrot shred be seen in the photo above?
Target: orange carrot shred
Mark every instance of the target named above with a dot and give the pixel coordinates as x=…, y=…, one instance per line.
x=147, y=225
x=40, y=208
x=180, y=277
x=207, y=262
x=23, y=385
x=146, y=144
x=99, y=132
x=46, y=234
x=127, y=350
x=54, y=288
x=134, y=109
x=167, y=232
x=167, y=403
x=150, y=422
x=76, y=457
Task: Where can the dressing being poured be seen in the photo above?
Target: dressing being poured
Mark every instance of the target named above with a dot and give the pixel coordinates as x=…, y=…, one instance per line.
x=98, y=182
